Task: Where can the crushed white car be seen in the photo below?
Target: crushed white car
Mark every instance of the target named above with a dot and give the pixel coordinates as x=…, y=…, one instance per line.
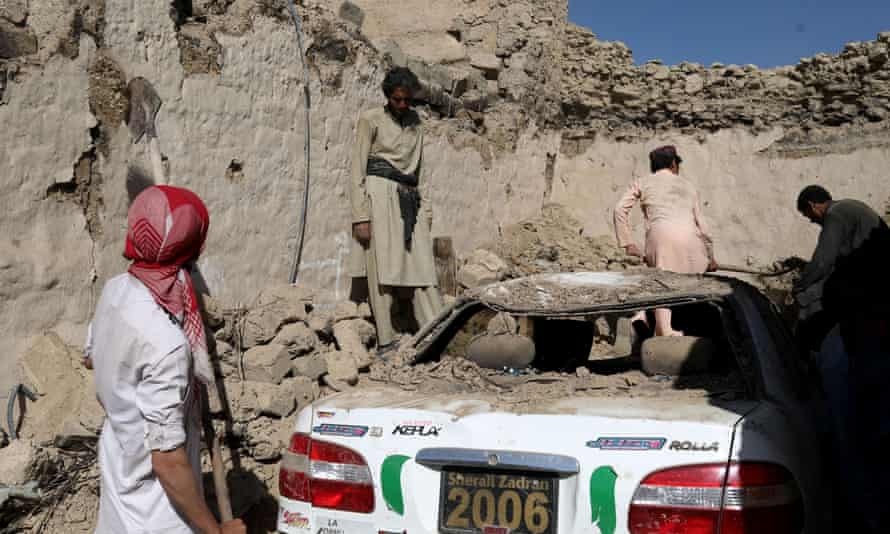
x=711, y=433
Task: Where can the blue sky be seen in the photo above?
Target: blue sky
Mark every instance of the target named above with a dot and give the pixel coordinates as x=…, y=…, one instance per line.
x=766, y=33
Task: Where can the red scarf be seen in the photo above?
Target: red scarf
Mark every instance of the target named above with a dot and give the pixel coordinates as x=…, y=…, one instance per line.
x=166, y=229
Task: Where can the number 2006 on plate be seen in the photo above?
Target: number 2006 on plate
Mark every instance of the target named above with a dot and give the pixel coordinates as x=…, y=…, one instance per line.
x=476, y=501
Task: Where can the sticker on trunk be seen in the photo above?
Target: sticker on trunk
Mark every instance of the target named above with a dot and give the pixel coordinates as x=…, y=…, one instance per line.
x=627, y=444
x=346, y=431
x=295, y=519
x=693, y=446
x=419, y=430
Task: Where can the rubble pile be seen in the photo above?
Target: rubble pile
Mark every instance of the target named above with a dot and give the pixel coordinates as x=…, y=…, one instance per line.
x=273, y=358
x=603, y=91
x=48, y=474
x=549, y=242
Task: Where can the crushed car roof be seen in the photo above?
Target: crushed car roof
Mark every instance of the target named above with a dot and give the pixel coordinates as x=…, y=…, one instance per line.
x=589, y=291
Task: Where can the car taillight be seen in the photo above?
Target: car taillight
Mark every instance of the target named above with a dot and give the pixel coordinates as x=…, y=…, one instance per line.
x=753, y=497
x=327, y=475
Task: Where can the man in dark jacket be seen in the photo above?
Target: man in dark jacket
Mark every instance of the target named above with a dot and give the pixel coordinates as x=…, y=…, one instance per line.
x=844, y=294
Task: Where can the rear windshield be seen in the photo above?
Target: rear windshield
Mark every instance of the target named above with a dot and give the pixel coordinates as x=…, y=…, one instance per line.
x=604, y=353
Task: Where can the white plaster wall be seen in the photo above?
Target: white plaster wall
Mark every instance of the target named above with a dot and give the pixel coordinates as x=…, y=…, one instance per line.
x=750, y=199
x=45, y=251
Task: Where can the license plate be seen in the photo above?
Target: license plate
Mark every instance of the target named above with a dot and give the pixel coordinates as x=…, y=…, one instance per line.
x=489, y=502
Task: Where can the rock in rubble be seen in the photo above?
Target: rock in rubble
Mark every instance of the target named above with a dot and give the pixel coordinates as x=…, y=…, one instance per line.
x=364, y=311
x=483, y=267
x=305, y=390
x=86, y=417
x=344, y=310
x=17, y=462
x=488, y=63
x=267, y=363
x=320, y=322
x=47, y=364
x=312, y=366
x=342, y=370
x=262, y=398
x=262, y=440
x=354, y=336
x=298, y=338
x=275, y=307
x=66, y=409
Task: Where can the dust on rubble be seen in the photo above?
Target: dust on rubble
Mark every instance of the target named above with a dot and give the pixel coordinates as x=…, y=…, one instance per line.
x=273, y=357
x=549, y=242
x=553, y=242
x=514, y=392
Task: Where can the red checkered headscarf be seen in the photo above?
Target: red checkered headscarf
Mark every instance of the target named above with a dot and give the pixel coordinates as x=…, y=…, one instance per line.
x=166, y=229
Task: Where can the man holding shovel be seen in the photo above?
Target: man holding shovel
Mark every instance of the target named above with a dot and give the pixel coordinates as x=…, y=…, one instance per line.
x=146, y=343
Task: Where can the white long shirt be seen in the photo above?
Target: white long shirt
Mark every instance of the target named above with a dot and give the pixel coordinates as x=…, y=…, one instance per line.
x=145, y=383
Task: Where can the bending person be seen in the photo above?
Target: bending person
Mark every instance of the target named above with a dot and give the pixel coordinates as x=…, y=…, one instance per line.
x=676, y=236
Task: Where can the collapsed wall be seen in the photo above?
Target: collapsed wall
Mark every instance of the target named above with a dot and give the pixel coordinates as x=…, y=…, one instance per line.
x=524, y=109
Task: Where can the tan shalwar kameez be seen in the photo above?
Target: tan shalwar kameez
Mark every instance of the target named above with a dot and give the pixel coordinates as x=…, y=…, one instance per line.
x=677, y=238
x=387, y=262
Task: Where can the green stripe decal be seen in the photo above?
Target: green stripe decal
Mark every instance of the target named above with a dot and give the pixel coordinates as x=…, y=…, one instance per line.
x=602, y=499
x=391, y=480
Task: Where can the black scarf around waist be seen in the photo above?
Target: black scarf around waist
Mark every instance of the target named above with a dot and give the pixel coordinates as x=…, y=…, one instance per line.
x=409, y=196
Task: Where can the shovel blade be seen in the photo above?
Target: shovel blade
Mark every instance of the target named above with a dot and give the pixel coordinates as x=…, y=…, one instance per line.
x=144, y=105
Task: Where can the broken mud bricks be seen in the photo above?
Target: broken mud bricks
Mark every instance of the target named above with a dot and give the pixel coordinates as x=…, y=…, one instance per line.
x=274, y=308
x=483, y=267
x=18, y=462
x=66, y=410
x=264, y=399
x=267, y=363
x=354, y=336
x=342, y=370
x=312, y=366
x=298, y=338
x=280, y=355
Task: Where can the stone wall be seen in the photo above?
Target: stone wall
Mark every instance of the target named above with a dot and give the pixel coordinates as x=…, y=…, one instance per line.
x=524, y=109
x=603, y=90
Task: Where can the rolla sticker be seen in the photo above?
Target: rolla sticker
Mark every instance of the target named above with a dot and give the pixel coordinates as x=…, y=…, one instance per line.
x=693, y=446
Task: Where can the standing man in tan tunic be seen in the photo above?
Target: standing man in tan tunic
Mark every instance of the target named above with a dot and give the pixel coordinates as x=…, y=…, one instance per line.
x=391, y=212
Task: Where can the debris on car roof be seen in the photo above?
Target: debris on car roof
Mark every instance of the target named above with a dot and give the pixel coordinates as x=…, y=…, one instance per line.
x=583, y=291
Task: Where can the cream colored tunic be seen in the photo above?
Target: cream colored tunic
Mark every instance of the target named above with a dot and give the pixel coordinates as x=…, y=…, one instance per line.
x=677, y=238
x=376, y=199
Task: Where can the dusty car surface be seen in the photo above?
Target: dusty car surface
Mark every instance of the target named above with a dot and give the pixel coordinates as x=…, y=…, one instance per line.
x=708, y=433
